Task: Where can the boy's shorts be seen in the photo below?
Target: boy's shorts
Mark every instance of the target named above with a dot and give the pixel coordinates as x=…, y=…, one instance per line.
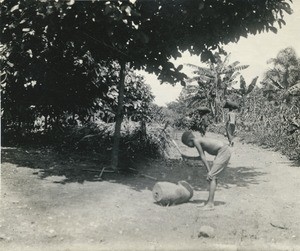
x=221, y=160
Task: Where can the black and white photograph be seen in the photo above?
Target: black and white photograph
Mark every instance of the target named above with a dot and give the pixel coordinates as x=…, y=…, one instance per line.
x=150, y=125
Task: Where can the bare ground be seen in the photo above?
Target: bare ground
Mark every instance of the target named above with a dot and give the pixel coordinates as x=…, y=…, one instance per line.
x=51, y=201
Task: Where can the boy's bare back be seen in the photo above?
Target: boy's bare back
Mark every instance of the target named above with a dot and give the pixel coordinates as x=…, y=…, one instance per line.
x=211, y=146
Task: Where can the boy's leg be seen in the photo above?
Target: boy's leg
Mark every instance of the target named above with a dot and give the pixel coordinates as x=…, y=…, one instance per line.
x=212, y=189
x=232, y=130
x=219, y=164
x=227, y=132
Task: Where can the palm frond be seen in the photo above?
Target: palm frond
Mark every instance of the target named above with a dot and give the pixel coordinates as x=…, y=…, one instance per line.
x=193, y=79
x=234, y=64
x=295, y=89
x=234, y=75
x=226, y=60
x=272, y=73
x=237, y=68
x=276, y=84
x=230, y=83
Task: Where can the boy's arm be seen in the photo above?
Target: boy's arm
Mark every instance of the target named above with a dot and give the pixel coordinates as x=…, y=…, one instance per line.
x=202, y=155
x=190, y=157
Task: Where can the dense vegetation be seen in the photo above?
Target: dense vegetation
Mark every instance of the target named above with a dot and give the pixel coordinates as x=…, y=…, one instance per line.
x=268, y=114
x=69, y=64
x=271, y=114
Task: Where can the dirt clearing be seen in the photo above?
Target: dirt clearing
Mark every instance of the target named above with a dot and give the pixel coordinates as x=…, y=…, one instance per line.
x=51, y=201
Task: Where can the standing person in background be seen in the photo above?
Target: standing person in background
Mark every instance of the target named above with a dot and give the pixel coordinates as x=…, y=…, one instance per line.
x=230, y=125
x=200, y=120
x=204, y=123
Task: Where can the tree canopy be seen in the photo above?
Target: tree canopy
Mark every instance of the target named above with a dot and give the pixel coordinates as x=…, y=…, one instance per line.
x=145, y=33
x=54, y=47
x=284, y=73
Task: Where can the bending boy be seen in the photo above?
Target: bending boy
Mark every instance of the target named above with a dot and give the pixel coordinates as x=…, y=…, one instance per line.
x=213, y=147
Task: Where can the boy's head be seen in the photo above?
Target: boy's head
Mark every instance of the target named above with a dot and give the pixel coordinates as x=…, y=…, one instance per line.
x=187, y=138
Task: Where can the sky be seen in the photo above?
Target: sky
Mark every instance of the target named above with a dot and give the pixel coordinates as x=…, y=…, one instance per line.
x=254, y=51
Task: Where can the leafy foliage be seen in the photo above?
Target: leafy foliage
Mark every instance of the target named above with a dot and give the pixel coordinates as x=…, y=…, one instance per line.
x=98, y=136
x=145, y=33
x=138, y=95
x=240, y=95
x=272, y=125
x=271, y=113
x=213, y=84
x=279, y=80
x=56, y=52
x=136, y=105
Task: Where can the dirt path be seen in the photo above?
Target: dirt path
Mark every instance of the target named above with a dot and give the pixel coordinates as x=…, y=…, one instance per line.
x=51, y=202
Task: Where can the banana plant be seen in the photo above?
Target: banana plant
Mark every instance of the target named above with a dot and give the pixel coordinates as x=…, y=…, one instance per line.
x=213, y=82
x=244, y=90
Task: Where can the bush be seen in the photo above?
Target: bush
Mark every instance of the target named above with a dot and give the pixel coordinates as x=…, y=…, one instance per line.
x=97, y=137
x=134, y=143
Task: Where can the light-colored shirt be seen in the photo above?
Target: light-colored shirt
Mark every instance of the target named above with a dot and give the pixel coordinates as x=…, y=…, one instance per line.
x=231, y=118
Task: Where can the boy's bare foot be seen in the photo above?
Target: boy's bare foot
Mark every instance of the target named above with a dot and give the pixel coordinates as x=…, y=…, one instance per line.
x=208, y=207
x=202, y=204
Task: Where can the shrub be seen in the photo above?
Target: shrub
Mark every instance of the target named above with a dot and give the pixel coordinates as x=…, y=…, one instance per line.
x=134, y=143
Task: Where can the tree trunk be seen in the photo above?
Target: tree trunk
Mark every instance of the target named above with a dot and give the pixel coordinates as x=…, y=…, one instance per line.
x=254, y=107
x=118, y=119
x=212, y=107
x=46, y=122
x=223, y=116
x=143, y=129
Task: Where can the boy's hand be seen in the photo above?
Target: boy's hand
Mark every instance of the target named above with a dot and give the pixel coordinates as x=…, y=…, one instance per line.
x=209, y=177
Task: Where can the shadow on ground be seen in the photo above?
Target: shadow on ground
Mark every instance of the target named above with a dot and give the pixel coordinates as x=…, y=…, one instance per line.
x=87, y=167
